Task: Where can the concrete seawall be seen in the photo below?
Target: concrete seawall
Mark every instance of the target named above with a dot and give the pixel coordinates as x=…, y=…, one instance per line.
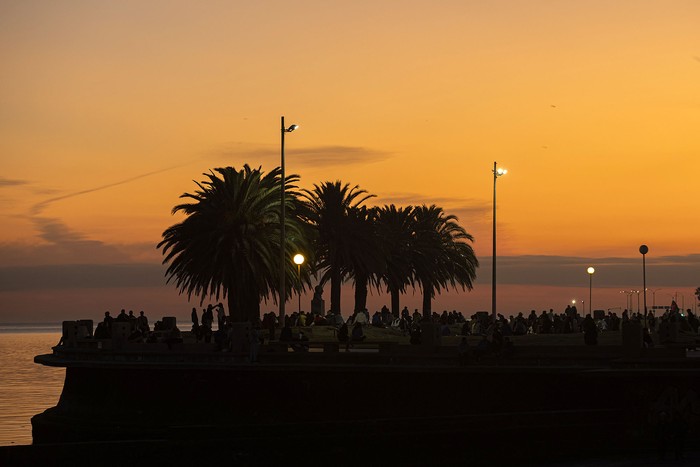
x=136, y=400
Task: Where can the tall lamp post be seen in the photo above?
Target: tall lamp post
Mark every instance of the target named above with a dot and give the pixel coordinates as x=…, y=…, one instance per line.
x=644, y=250
x=496, y=173
x=590, y=272
x=299, y=260
x=628, y=299
x=653, y=298
x=283, y=238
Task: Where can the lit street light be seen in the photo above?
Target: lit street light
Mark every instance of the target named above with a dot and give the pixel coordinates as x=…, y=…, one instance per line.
x=299, y=260
x=637, y=292
x=653, y=297
x=497, y=172
x=590, y=272
x=283, y=239
x=628, y=299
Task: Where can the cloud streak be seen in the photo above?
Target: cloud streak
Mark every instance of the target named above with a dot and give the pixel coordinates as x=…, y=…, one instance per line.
x=452, y=205
x=316, y=156
x=531, y=271
x=570, y=271
x=12, y=182
x=80, y=276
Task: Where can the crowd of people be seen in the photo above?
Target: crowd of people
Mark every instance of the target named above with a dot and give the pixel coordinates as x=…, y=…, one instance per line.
x=496, y=333
x=138, y=325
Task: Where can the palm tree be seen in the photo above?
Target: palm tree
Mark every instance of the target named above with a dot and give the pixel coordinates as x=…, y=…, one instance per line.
x=229, y=242
x=394, y=227
x=326, y=207
x=367, y=264
x=441, y=256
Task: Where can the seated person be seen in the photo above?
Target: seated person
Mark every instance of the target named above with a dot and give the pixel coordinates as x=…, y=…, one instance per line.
x=416, y=337
x=301, y=343
x=286, y=332
x=102, y=331
x=343, y=333
x=357, y=333
x=360, y=317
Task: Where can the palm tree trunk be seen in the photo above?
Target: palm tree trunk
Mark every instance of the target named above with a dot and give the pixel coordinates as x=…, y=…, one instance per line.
x=244, y=306
x=360, y=292
x=250, y=307
x=234, y=308
x=395, y=295
x=335, y=291
x=427, y=299
x=254, y=313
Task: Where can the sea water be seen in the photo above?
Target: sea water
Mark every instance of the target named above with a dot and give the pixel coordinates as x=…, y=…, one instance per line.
x=26, y=388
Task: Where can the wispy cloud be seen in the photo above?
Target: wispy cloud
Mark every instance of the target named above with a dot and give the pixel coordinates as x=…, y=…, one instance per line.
x=570, y=271
x=12, y=182
x=62, y=246
x=65, y=244
x=324, y=156
x=80, y=276
x=318, y=156
x=530, y=271
x=54, y=231
x=471, y=213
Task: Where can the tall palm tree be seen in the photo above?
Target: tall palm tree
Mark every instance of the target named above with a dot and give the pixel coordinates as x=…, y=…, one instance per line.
x=327, y=207
x=441, y=257
x=367, y=264
x=394, y=227
x=229, y=242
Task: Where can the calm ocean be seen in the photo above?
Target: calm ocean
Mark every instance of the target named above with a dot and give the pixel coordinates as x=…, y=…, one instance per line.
x=26, y=388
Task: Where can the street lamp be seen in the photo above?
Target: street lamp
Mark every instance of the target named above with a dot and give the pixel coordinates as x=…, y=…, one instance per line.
x=283, y=256
x=637, y=292
x=299, y=260
x=590, y=272
x=628, y=299
x=497, y=172
x=644, y=250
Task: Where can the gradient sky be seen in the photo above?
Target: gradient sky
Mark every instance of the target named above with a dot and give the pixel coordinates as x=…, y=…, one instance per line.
x=109, y=111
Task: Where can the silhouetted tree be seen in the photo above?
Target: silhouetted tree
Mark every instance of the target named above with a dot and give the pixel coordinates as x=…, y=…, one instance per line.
x=327, y=207
x=440, y=254
x=394, y=228
x=367, y=264
x=229, y=242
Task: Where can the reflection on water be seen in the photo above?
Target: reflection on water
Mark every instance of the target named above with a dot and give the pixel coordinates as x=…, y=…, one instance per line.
x=26, y=388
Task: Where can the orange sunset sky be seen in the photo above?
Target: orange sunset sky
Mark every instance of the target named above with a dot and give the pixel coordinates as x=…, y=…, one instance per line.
x=110, y=110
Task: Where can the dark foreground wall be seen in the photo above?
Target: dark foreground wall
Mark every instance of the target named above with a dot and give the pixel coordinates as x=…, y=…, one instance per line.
x=555, y=408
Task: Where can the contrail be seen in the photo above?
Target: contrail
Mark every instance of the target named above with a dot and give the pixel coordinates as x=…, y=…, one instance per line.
x=37, y=208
